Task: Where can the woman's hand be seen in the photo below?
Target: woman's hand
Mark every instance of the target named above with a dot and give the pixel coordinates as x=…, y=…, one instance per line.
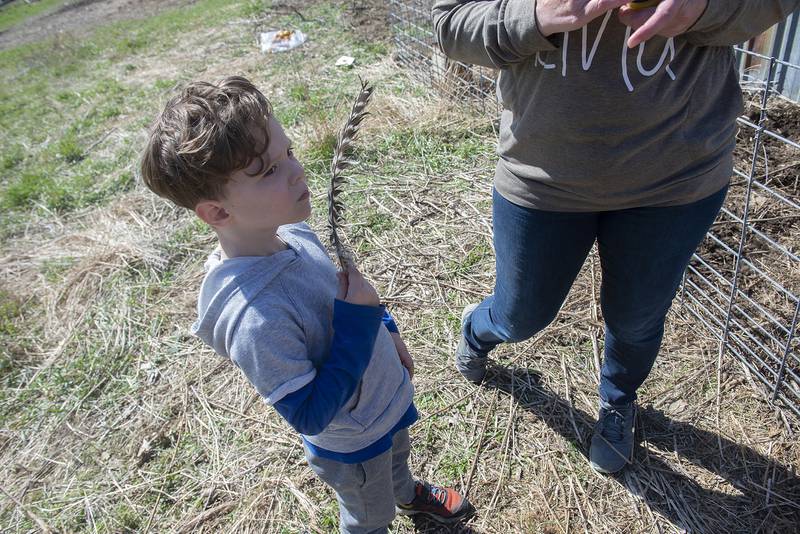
x=556, y=16
x=668, y=19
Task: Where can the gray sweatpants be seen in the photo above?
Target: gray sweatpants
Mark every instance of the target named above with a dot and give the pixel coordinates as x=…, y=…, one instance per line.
x=367, y=492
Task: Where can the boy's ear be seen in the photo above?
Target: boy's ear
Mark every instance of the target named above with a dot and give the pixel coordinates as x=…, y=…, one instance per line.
x=212, y=213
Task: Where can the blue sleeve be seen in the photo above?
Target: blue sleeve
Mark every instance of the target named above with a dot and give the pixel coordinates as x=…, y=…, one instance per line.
x=388, y=321
x=311, y=408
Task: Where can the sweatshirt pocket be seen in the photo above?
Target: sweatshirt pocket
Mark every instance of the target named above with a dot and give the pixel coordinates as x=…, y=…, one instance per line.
x=343, y=423
x=382, y=380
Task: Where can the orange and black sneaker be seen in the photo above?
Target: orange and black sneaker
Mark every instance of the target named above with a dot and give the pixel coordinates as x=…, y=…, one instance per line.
x=443, y=505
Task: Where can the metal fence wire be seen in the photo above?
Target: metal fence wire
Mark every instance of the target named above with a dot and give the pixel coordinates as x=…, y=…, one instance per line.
x=743, y=284
x=416, y=50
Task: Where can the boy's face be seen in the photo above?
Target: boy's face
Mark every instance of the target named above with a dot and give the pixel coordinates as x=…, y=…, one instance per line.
x=276, y=196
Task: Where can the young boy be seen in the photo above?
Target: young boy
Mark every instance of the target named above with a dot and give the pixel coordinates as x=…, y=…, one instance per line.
x=315, y=343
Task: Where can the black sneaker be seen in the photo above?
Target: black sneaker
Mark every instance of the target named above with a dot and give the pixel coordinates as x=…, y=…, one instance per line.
x=471, y=364
x=612, y=442
x=443, y=505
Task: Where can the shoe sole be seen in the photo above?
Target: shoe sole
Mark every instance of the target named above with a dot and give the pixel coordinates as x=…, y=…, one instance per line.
x=605, y=471
x=461, y=516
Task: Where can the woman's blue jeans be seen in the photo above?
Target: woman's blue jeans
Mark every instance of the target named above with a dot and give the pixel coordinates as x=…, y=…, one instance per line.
x=643, y=254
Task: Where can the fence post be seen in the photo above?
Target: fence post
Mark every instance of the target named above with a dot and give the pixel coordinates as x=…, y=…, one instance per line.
x=787, y=349
x=743, y=236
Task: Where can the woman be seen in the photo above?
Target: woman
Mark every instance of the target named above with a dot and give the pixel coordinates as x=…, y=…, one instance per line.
x=618, y=126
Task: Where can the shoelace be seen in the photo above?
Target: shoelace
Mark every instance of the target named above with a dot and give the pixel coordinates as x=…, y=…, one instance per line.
x=619, y=424
x=436, y=495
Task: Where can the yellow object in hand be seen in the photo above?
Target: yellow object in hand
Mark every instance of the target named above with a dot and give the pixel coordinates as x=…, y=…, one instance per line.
x=642, y=4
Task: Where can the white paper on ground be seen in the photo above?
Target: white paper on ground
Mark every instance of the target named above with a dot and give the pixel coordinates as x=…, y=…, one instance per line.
x=345, y=61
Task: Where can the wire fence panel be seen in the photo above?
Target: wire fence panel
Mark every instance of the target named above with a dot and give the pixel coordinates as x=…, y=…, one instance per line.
x=780, y=41
x=743, y=284
x=417, y=50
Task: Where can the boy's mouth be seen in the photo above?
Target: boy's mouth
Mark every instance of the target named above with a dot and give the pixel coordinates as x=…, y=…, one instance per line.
x=303, y=196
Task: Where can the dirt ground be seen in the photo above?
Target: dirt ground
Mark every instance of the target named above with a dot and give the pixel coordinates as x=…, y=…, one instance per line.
x=80, y=15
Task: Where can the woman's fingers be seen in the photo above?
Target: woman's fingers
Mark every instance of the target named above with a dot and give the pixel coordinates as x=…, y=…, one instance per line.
x=660, y=21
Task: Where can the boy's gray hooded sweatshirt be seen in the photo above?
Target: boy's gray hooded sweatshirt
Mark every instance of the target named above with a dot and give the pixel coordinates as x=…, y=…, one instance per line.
x=272, y=316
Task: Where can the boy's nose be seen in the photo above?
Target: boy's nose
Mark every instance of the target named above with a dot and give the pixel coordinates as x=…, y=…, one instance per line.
x=298, y=173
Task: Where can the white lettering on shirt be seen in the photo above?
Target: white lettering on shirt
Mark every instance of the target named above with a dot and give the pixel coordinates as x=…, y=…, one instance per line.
x=587, y=62
x=588, y=55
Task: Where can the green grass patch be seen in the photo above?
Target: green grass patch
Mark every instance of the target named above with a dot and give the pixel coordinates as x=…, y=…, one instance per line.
x=454, y=465
x=477, y=255
x=63, y=100
x=17, y=12
x=58, y=189
x=16, y=336
x=9, y=311
x=438, y=151
x=69, y=148
x=55, y=269
x=78, y=88
x=28, y=189
x=94, y=371
x=317, y=155
x=128, y=521
x=377, y=221
x=12, y=158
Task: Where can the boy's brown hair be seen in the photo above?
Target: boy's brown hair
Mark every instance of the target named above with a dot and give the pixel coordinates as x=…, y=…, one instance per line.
x=204, y=134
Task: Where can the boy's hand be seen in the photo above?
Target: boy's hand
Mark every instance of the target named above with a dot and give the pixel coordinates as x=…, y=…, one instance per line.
x=355, y=289
x=402, y=351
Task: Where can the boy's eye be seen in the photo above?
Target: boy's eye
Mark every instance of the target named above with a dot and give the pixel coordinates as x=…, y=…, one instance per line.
x=271, y=170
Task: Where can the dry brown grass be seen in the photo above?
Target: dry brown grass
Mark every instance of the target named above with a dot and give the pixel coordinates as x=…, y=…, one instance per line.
x=523, y=439
x=175, y=440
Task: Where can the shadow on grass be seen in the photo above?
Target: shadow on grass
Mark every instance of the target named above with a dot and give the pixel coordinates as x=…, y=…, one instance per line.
x=423, y=525
x=768, y=498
